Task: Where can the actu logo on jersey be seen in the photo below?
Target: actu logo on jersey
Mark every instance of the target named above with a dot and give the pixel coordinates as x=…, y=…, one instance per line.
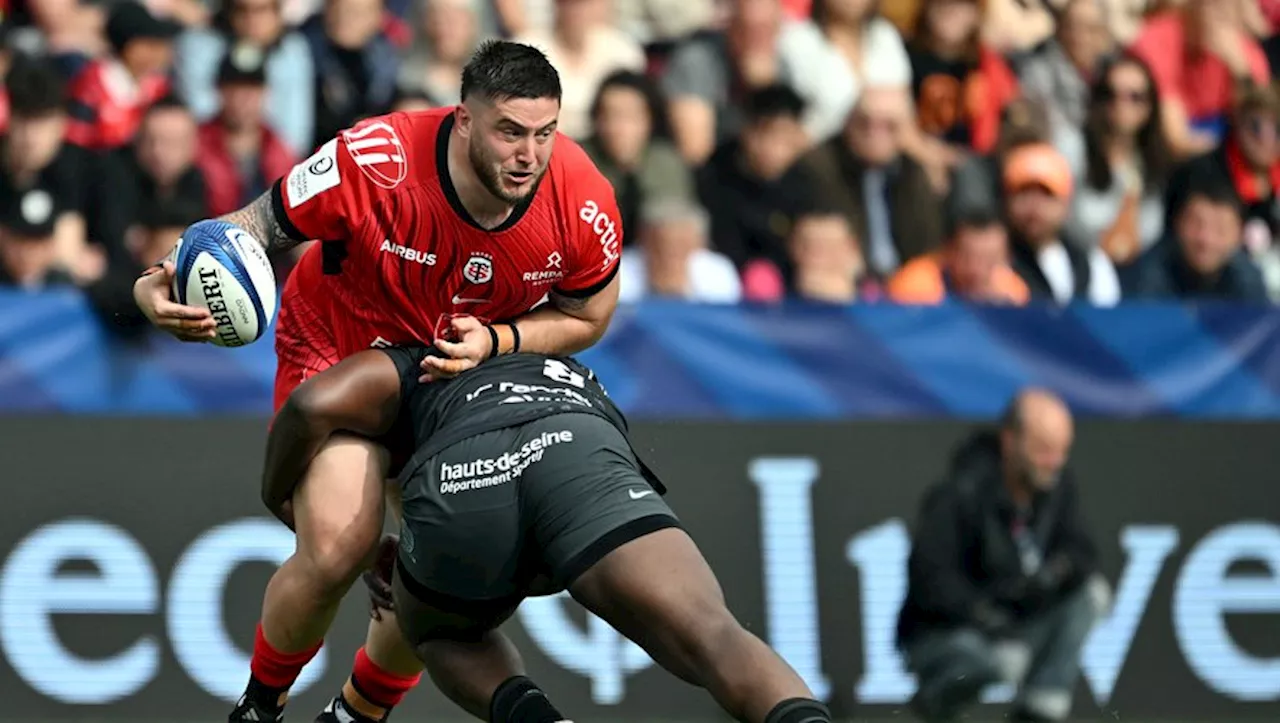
x=378, y=153
x=478, y=270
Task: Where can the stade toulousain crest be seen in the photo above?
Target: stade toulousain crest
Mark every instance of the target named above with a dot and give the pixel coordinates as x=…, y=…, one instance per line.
x=378, y=152
x=479, y=269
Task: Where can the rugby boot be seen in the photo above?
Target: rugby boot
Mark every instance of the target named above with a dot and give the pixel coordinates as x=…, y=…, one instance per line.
x=249, y=712
x=339, y=711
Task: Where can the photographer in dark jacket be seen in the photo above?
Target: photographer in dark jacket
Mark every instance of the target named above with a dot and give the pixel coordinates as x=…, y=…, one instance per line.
x=998, y=571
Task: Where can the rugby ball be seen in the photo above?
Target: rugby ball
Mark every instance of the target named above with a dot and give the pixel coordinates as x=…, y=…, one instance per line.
x=222, y=268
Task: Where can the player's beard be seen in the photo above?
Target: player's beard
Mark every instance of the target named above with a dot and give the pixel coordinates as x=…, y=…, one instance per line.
x=489, y=170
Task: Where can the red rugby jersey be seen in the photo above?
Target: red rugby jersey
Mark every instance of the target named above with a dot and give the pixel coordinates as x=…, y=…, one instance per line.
x=399, y=255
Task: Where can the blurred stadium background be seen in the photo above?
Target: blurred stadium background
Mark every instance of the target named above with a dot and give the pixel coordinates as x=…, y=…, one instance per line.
x=825, y=287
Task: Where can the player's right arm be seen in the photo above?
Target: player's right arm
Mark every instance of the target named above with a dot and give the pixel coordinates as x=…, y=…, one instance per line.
x=360, y=394
x=318, y=199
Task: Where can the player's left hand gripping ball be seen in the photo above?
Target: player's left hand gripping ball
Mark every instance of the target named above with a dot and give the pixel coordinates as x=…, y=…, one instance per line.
x=221, y=267
x=472, y=347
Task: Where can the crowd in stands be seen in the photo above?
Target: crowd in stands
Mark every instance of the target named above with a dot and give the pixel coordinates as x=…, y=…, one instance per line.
x=1000, y=151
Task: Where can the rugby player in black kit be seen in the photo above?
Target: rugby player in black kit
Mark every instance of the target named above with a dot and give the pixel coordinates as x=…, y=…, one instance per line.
x=524, y=483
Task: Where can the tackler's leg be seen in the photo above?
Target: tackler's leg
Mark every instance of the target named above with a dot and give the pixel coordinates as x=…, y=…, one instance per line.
x=606, y=534
x=458, y=577
x=468, y=658
x=659, y=591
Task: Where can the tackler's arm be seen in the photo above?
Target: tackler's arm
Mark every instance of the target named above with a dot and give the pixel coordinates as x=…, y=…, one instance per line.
x=361, y=395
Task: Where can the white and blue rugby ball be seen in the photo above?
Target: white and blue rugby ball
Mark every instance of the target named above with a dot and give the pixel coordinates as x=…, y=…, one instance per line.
x=222, y=268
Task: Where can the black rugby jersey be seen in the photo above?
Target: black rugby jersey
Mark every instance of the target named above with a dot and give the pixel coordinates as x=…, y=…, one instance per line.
x=504, y=392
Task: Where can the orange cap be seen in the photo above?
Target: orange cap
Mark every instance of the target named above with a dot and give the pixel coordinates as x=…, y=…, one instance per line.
x=1038, y=164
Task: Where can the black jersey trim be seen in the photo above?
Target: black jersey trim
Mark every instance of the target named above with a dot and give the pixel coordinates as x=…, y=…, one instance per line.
x=593, y=289
x=282, y=216
x=451, y=192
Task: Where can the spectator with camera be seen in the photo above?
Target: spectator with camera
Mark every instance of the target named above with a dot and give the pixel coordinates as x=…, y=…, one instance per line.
x=1001, y=577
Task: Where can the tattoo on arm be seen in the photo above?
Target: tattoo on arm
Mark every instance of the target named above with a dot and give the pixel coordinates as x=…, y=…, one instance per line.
x=569, y=304
x=259, y=219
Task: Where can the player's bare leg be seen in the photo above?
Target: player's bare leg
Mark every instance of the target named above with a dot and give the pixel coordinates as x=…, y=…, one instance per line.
x=338, y=511
x=470, y=660
x=386, y=668
x=659, y=591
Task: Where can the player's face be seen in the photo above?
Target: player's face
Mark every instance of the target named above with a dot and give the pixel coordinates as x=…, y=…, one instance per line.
x=510, y=144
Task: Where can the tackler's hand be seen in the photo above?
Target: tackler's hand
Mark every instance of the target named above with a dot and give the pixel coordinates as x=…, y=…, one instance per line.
x=378, y=577
x=471, y=344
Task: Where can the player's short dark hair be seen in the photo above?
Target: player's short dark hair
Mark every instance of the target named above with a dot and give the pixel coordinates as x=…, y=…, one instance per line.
x=35, y=88
x=772, y=102
x=503, y=70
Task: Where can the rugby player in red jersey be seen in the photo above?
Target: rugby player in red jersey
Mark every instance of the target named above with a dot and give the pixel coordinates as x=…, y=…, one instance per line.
x=446, y=226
